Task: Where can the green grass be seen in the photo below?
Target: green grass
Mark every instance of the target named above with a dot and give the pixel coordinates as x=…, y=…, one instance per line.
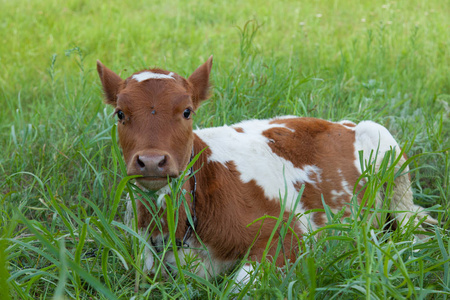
x=62, y=204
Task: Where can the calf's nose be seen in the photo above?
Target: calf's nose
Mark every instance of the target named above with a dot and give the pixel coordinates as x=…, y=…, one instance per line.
x=151, y=165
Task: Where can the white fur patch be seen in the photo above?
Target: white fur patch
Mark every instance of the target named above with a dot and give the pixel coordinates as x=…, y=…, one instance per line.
x=335, y=195
x=255, y=160
x=345, y=122
x=201, y=260
x=147, y=255
x=150, y=75
x=285, y=117
x=345, y=194
x=344, y=183
x=129, y=214
x=370, y=136
x=243, y=275
x=162, y=192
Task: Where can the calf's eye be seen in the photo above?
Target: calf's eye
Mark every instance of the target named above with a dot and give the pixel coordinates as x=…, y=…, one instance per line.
x=120, y=115
x=187, y=113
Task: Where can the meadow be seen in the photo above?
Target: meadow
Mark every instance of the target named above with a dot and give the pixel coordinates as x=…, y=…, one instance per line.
x=62, y=183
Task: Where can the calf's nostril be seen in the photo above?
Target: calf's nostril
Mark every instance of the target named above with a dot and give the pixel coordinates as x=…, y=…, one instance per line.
x=140, y=163
x=162, y=162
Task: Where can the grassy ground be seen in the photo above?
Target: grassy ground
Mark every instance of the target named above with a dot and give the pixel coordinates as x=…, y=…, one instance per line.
x=61, y=201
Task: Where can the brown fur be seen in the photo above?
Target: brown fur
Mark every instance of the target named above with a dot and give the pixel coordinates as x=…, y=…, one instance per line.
x=329, y=146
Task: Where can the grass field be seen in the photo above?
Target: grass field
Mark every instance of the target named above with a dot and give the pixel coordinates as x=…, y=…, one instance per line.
x=62, y=199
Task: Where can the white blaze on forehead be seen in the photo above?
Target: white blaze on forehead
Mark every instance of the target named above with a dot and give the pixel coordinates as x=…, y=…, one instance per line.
x=255, y=160
x=150, y=75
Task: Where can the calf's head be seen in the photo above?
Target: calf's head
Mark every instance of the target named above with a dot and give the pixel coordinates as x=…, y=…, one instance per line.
x=154, y=111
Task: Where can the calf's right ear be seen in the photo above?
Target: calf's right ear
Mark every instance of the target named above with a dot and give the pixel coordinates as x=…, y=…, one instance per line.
x=110, y=82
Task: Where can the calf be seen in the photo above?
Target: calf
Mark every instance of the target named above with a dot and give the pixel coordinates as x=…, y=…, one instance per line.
x=242, y=172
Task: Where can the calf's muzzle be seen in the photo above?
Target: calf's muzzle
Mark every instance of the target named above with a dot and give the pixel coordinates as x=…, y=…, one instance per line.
x=153, y=166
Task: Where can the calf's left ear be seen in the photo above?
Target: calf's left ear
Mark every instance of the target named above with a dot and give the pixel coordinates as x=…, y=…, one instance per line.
x=110, y=82
x=200, y=82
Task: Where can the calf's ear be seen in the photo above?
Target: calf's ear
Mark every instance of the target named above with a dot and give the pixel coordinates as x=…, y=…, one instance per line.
x=110, y=82
x=200, y=82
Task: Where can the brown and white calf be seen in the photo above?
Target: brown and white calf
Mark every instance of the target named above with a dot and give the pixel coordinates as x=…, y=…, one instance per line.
x=244, y=169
